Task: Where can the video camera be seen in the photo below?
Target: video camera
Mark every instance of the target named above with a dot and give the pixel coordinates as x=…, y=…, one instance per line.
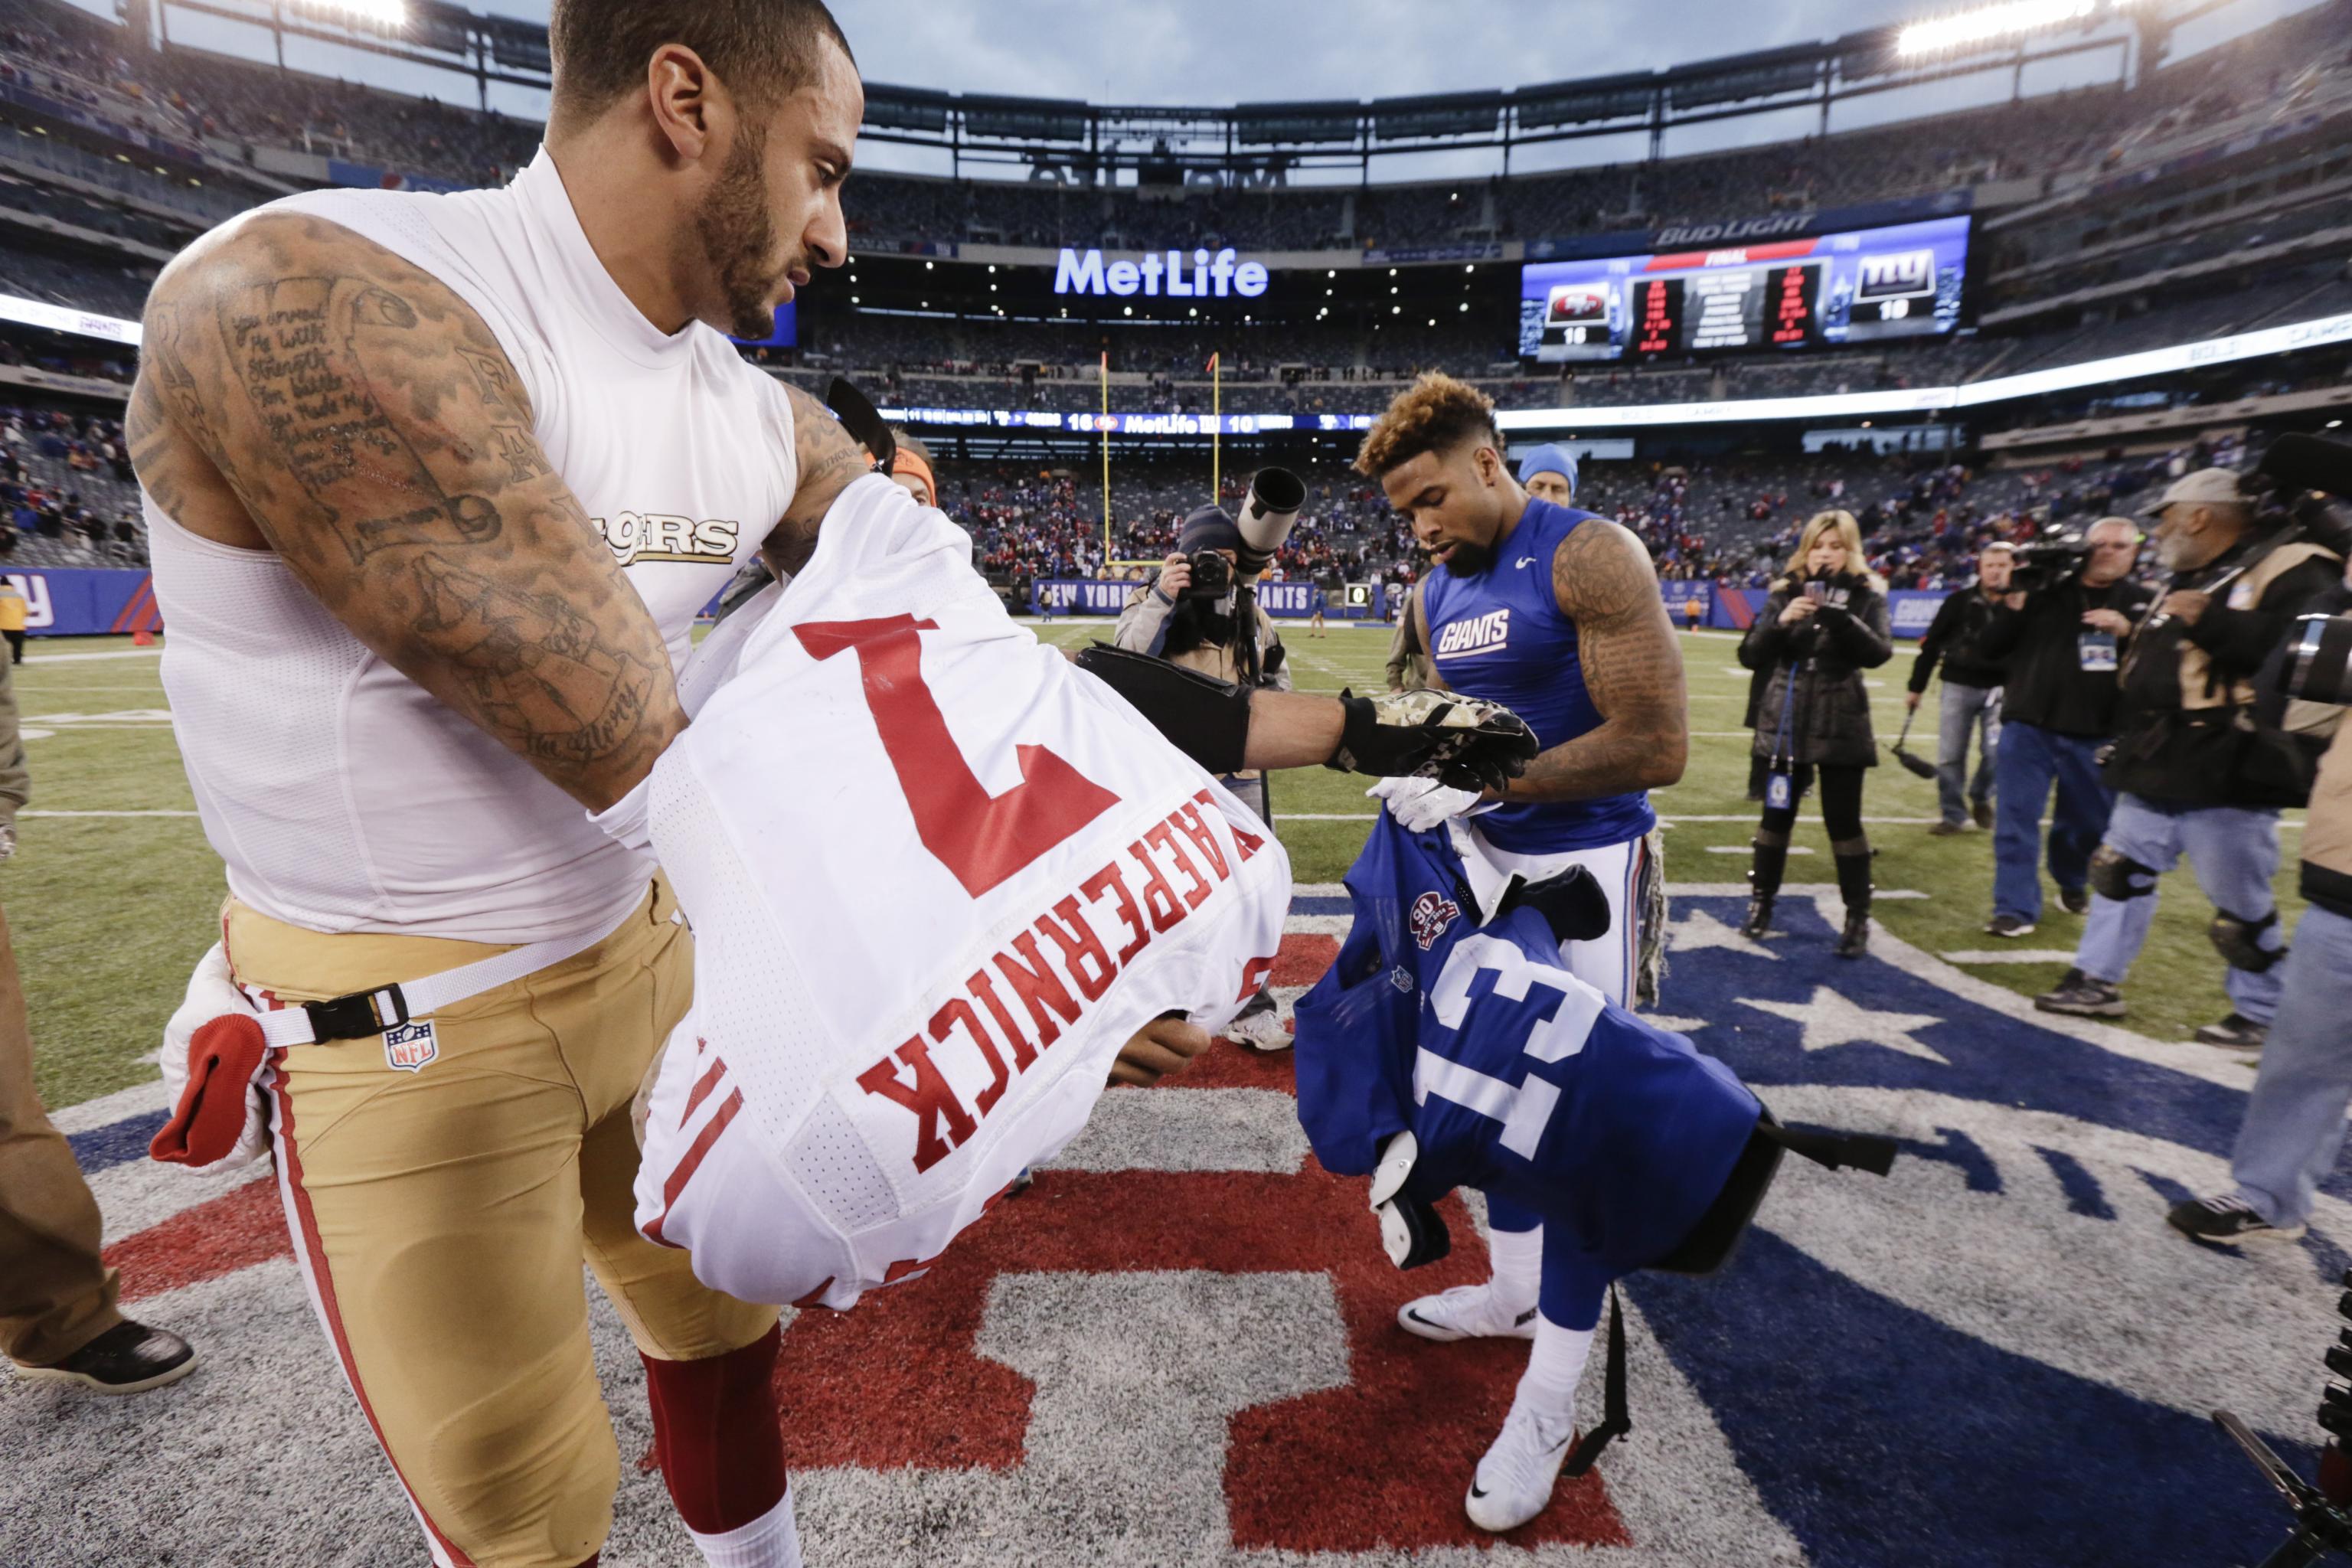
x=2048, y=562
x=2308, y=480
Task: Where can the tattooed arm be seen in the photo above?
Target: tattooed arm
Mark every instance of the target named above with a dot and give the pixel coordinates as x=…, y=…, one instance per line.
x=828, y=458
x=304, y=390
x=1604, y=582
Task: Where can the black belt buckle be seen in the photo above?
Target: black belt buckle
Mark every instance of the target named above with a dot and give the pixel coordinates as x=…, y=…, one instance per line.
x=351, y=1017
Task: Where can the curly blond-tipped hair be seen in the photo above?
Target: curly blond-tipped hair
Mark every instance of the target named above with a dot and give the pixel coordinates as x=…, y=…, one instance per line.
x=1431, y=415
x=1842, y=524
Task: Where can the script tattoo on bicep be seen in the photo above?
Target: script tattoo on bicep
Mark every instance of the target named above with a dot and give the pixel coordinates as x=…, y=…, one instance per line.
x=1603, y=581
x=297, y=348
x=369, y=424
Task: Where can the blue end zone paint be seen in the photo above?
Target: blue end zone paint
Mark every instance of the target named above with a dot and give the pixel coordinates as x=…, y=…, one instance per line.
x=117, y=1142
x=1909, y=1442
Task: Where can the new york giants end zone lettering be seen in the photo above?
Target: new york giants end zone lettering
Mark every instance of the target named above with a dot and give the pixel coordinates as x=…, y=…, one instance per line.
x=937, y=877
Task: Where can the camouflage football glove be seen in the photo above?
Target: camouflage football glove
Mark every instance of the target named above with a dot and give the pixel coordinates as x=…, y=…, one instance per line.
x=1465, y=742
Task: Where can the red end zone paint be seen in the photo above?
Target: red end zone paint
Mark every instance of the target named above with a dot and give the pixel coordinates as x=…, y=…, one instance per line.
x=236, y=1230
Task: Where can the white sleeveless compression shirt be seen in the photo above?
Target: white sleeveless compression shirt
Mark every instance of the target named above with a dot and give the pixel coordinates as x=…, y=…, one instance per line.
x=341, y=794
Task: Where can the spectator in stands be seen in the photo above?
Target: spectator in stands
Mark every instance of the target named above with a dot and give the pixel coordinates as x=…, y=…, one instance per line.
x=2202, y=760
x=13, y=610
x=2059, y=646
x=1825, y=623
x=1971, y=695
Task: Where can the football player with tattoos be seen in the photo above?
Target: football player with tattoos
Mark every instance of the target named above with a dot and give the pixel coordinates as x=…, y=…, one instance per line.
x=1555, y=612
x=436, y=485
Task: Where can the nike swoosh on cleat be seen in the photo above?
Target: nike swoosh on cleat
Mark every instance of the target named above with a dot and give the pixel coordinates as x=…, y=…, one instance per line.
x=1524, y=1318
x=1477, y=1490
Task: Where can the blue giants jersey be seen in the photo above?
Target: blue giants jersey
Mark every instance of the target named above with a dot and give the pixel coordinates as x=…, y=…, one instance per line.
x=1500, y=636
x=1517, y=1078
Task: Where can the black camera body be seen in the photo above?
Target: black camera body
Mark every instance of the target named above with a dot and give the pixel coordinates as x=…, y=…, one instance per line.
x=1213, y=575
x=2049, y=563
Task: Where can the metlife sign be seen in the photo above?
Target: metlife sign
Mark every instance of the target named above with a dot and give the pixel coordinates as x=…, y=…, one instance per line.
x=1161, y=272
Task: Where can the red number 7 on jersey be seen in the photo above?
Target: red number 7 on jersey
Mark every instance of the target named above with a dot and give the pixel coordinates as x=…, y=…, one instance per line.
x=982, y=839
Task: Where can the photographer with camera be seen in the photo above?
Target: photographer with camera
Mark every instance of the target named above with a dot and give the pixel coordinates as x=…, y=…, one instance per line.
x=2201, y=762
x=1825, y=623
x=2295, y=1118
x=1970, y=702
x=1194, y=614
x=2059, y=633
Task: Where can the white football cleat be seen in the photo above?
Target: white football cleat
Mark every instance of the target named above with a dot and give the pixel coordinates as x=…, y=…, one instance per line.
x=1465, y=1313
x=1514, y=1480
x=1261, y=1031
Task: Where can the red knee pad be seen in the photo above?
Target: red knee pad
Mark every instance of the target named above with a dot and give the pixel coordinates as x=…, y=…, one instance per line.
x=717, y=1435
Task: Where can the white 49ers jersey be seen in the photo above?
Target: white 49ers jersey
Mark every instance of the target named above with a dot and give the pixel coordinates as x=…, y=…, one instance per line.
x=937, y=877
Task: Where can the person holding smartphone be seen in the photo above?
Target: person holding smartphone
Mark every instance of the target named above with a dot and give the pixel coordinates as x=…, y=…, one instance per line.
x=1825, y=623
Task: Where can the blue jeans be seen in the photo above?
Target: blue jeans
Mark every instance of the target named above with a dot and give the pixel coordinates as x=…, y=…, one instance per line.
x=2294, y=1120
x=2234, y=852
x=2030, y=760
x=1965, y=709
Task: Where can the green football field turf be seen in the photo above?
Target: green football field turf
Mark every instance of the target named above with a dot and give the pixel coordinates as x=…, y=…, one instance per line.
x=113, y=892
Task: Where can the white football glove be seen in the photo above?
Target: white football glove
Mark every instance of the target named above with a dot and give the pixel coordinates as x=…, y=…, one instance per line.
x=1418, y=805
x=213, y=1058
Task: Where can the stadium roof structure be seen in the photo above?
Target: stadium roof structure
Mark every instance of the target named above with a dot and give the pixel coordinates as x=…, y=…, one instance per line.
x=1164, y=142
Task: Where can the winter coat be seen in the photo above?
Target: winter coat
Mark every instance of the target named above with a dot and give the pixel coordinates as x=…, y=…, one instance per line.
x=1828, y=717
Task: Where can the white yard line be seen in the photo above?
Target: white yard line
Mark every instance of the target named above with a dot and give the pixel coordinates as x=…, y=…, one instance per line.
x=32, y=659
x=106, y=813
x=2009, y=956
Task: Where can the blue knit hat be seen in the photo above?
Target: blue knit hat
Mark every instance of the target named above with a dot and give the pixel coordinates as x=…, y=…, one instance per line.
x=1209, y=529
x=1548, y=460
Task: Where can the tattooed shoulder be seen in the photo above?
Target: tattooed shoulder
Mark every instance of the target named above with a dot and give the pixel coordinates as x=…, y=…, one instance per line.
x=1603, y=572
x=368, y=425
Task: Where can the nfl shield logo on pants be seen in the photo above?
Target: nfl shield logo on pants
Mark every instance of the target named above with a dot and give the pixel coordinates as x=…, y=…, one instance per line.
x=409, y=1047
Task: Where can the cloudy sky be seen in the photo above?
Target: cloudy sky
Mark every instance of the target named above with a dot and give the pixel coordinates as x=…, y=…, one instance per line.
x=1228, y=51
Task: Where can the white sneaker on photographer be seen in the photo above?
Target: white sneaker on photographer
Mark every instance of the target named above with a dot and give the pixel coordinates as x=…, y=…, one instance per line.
x=1467, y=1312
x=1514, y=1479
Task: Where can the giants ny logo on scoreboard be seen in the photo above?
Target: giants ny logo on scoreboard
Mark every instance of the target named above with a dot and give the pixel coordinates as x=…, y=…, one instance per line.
x=1896, y=275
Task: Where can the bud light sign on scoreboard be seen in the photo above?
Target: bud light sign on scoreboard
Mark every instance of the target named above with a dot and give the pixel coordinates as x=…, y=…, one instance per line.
x=1900, y=280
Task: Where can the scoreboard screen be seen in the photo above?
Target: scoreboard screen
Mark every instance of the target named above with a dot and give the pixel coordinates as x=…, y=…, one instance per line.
x=1903, y=280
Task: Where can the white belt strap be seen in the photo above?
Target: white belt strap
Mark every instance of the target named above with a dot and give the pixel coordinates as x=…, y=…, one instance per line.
x=367, y=1013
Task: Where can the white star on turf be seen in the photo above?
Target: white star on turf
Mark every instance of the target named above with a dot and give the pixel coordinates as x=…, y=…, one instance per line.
x=1679, y=1026
x=1699, y=929
x=1831, y=1020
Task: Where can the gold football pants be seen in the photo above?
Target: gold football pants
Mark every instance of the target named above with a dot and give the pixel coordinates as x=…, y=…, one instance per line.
x=442, y=1188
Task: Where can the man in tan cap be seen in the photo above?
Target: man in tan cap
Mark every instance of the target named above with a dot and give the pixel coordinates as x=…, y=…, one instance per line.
x=2202, y=761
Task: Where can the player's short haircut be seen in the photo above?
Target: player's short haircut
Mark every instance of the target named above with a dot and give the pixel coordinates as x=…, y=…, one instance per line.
x=909, y=444
x=1435, y=413
x=765, y=50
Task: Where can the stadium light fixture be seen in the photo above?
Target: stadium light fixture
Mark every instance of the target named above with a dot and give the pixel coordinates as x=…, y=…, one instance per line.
x=927, y=267
x=1999, y=23
x=375, y=13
